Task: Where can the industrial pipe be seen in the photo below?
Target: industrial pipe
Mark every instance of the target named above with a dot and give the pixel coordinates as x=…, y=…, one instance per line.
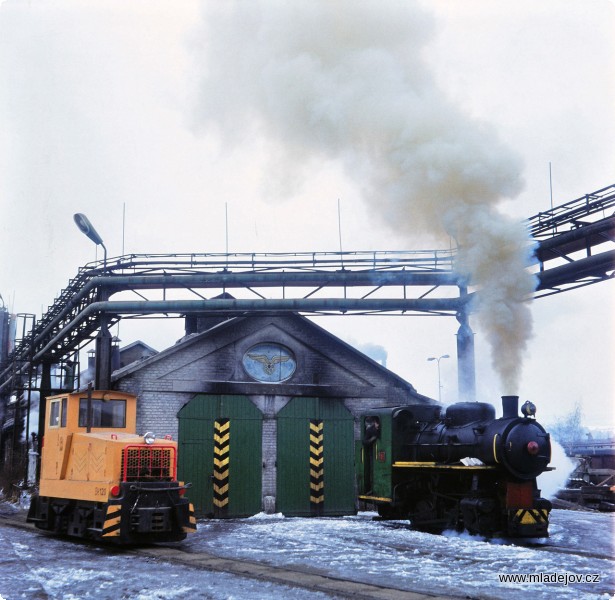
x=240, y=307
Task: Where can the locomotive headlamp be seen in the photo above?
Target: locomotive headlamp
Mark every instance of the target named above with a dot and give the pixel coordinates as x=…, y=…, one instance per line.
x=149, y=438
x=528, y=409
x=533, y=448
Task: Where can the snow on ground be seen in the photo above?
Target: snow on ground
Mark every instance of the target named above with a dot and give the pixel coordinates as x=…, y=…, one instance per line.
x=35, y=566
x=389, y=553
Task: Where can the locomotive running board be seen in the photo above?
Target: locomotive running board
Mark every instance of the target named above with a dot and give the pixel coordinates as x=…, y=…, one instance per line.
x=433, y=465
x=375, y=499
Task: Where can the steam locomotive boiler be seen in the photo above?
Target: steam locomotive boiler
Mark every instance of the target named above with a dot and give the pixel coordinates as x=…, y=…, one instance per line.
x=100, y=480
x=463, y=469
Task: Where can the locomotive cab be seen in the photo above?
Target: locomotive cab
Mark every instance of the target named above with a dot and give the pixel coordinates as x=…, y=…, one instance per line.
x=100, y=480
x=386, y=434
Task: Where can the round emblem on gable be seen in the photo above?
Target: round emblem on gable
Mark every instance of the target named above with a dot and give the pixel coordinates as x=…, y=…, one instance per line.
x=269, y=362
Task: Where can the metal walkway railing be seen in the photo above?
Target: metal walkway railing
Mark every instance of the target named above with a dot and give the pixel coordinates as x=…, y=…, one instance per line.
x=574, y=213
x=575, y=242
x=74, y=317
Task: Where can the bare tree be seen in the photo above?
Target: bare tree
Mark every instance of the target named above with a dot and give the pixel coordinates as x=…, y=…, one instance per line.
x=569, y=430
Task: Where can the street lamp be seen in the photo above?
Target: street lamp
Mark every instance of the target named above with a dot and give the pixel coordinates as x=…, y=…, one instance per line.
x=88, y=229
x=439, y=384
x=102, y=376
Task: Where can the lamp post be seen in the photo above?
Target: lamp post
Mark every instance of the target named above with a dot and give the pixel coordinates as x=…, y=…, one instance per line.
x=88, y=229
x=102, y=377
x=438, y=359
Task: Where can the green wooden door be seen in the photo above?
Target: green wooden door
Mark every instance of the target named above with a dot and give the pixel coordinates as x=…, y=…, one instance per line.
x=220, y=441
x=195, y=460
x=315, y=458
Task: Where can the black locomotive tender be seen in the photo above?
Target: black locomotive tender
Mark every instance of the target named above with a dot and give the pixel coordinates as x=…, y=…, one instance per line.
x=463, y=469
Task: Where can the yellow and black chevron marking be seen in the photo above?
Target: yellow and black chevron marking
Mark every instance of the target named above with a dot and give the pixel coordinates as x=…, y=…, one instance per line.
x=191, y=526
x=317, y=483
x=222, y=435
x=532, y=516
x=113, y=521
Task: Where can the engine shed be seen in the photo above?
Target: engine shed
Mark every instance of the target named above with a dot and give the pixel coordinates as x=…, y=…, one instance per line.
x=266, y=410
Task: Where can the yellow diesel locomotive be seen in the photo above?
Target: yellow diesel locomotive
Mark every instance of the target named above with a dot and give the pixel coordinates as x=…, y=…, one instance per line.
x=102, y=481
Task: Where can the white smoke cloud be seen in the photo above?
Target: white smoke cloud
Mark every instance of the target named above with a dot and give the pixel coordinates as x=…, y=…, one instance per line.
x=346, y=81
x=552, y=482
x=494, y=253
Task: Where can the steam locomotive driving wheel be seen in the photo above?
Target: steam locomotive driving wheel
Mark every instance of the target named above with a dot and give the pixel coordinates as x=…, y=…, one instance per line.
x=434, y=515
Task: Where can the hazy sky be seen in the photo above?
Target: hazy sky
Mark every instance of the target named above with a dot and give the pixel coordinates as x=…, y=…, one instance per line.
x=109, y=104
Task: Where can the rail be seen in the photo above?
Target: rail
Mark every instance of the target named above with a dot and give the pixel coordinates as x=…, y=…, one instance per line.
x=549, y=222
x=270, y=262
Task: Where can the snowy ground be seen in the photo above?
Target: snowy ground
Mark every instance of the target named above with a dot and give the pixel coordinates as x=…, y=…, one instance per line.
x=389, y=553
x=35, y=566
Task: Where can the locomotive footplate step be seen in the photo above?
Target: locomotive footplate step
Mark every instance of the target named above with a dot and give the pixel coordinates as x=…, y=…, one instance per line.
x=150, y=519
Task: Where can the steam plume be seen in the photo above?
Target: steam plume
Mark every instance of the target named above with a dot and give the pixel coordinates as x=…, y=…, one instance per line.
x=345, y=81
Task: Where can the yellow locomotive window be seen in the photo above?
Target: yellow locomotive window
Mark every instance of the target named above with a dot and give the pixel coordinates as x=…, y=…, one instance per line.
x=57, y=413
x=54, y=414
x=105, y=413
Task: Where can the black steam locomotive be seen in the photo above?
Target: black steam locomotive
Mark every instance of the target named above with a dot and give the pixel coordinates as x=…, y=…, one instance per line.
x=463, y=469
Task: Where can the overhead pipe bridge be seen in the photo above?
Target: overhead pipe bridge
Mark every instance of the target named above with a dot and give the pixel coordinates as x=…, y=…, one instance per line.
x=310, y=283
x=575, y=242
x=570, y=253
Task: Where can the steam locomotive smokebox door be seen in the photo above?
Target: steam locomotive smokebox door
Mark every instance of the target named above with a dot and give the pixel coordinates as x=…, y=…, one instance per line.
x=220, y=441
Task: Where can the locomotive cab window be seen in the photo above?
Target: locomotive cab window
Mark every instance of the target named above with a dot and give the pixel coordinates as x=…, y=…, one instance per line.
x=57, y=413
x=371, y=431
x=105, y=413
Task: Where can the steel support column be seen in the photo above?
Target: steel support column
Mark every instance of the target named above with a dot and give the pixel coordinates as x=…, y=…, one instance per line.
x=466, y=368
x=45, y=390
x=103, y=355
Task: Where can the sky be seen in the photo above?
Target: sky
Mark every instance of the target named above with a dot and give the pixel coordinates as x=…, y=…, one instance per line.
x=172, y=114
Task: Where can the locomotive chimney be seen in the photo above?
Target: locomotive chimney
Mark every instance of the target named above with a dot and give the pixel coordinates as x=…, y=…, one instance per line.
x=510, y=407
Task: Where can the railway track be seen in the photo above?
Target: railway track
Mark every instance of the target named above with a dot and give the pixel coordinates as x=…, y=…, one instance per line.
x=300, y=576
x=543, y=547
x=289, y=576
x=569, y=551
